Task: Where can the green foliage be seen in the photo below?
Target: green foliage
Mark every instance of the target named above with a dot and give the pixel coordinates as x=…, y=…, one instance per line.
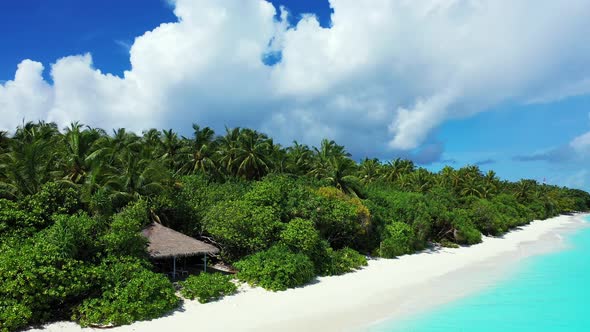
x=75, y=236
x=340, y=219
x=195, y=196
x=414, y=209
x=464, y=230
x=146, y=295
x=300, y=235
x=101, y=203
x=13, y=218
x=13, y=315
x=487, y=218
x=242, y=228
x=53, y=198
x=124, y=235
x=398, y=240
x=68, y=245
x=207, y=287
x=343, y=261
x=39, y=279
x=276, y=269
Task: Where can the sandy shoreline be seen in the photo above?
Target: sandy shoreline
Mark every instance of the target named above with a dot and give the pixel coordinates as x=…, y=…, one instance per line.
x=386, y=289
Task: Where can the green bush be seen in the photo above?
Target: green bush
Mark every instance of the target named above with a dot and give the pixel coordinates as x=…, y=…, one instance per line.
x=272, y=191
x=300, y=235
x=465, y=231
x=276, y=269
x=146, y=295
x=13, y=218
x=53, y=198
x=39, y=280
x=242, y=228
x=207, y=287
x=343, y=261
x=339, y=219
x=193, y=199
x=13, y=315
x=399, y=239
x=487, y=218
x=124, y=235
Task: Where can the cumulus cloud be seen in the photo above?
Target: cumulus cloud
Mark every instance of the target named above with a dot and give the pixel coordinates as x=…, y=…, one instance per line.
x=380, y=80
x=25, y=98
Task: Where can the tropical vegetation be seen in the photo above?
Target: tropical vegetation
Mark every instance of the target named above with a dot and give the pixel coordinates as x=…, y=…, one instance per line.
x=73, y=203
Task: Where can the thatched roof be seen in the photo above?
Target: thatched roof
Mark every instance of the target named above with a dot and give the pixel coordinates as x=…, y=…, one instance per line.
x=165, y=242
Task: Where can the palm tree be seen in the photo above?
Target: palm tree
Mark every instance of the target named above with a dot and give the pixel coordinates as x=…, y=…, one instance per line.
x=299, y=159
x=525, y=190
x=340, y=174
x=200, y=152
x=4, y=140
x=78, y=147
x=138, y=177
x=421, y=180
x=398, y=167
x=471, y=187
x=252, y=155
x=171, y=146
x=227, y=146
x=111, y=149
x=30, y=160
x=152, y=141
x=369, y=170
x=324, y=156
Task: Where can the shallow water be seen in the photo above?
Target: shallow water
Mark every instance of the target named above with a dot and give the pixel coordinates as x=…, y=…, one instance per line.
x=549, y=292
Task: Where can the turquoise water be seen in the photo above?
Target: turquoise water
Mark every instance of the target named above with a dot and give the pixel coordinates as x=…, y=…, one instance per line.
x=549, y=293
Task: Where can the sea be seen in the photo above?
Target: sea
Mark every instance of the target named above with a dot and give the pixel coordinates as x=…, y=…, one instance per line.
x=545, y=293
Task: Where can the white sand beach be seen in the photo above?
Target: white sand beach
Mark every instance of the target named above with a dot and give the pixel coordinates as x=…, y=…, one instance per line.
x=385, y=289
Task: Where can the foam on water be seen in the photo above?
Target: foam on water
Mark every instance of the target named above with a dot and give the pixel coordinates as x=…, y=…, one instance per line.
x=547, y=293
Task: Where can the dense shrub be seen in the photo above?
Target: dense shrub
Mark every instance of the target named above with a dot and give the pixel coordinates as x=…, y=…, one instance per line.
x=124, y=235
x=53, y=198
x=13, y=315
x=145, y=296
x=13, y=218
x=343, y=261
x=341, y=220
x=276, y=269
x=194, y=196
x=300, y=235
x=39, y=280
x=273, y=191
x=207, y=287
x=242, y=228
x=398, y=240
x=486, y=217
x=464, y=230
x=414, y=209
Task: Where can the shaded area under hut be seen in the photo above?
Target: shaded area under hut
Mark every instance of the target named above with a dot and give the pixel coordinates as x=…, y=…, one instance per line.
x=166, y=243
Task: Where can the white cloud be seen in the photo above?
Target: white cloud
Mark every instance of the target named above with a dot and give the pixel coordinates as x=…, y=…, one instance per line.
x=581, y=144
x=25, y=98
x=382, y=77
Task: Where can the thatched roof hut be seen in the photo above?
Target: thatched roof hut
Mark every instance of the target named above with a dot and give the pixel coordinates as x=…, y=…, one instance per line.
x=167, y=243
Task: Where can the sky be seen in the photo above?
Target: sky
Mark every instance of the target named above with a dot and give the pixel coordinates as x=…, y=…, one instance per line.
x=501, y=84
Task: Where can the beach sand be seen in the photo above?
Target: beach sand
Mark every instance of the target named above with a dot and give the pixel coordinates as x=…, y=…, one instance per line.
x=384, y=290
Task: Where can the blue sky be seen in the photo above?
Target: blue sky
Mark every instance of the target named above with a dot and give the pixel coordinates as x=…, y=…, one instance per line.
x=396, y=80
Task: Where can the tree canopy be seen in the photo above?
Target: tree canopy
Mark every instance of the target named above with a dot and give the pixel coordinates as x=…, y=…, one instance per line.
x=73, y=203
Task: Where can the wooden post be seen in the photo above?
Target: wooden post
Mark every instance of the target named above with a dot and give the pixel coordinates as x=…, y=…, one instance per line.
x=174, y=268
x=205, y=260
